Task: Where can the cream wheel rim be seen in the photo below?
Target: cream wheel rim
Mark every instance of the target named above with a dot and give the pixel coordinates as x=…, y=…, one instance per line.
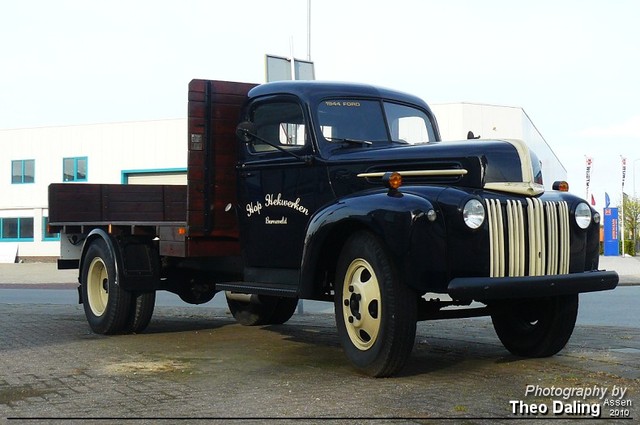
x=98, y=286
x=361, y=304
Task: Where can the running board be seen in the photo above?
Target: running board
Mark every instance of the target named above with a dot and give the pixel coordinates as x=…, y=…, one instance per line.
x=459, y=313
x=259, y=288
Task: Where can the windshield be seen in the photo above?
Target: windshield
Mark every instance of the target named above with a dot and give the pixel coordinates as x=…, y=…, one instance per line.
x=367, y=120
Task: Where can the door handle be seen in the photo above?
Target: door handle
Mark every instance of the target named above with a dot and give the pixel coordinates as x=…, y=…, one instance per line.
x=343, y=174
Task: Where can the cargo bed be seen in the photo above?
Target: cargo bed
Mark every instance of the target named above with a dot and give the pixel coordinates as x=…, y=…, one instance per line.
x=196, y=220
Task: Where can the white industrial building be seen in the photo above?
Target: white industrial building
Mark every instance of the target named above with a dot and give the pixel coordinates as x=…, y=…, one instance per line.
x=498, y=122
x=155, y=152
x=98, y=153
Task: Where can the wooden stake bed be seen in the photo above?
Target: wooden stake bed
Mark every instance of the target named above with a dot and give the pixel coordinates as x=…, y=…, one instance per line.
x=197, y=220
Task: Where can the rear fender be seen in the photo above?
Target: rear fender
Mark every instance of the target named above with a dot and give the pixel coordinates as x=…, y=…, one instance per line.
x=101, y=234
x=136, y=260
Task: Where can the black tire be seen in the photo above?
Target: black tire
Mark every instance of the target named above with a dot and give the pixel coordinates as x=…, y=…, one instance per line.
x=376, y=313
x=141, y=311
x=193, y=287
x=261, y=310
x=106, y=305
x=538, y=327
x=284, y=310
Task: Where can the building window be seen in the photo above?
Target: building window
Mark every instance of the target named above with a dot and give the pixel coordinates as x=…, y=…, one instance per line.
x=16, y=229
x=46, y=236
x=74, y=169
x=23, y=171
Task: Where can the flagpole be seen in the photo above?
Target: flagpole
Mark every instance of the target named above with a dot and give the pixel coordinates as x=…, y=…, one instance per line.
x=624, y=170
x=635, y=216
x=622, y=220
x=309, y=30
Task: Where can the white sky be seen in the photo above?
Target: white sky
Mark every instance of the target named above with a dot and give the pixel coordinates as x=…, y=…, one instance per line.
x=573, y=65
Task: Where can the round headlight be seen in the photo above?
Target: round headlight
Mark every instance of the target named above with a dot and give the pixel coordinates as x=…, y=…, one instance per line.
x=596, y=218
x=583, y=215
x=473, y=213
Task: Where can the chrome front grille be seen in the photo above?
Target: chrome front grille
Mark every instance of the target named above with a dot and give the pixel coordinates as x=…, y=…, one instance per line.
x=529, y=239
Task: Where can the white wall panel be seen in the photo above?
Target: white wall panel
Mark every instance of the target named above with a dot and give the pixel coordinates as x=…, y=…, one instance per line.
x=110, y=149
x=498, y=122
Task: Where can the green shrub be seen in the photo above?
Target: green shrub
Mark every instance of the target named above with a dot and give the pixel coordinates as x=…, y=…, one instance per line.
x=629, y=249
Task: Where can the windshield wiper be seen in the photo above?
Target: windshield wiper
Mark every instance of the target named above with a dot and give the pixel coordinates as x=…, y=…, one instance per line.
x=349, y=141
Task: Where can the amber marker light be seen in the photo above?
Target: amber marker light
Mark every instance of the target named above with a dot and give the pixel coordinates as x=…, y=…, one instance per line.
x=561, y=186
x=182, y=231
x=392, y=180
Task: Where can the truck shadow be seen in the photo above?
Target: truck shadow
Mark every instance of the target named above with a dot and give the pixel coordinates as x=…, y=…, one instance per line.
x=431, y=353
x=166, y=325
x=311, y=340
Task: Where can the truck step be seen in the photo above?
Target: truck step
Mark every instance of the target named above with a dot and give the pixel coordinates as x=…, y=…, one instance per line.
x=260, y=288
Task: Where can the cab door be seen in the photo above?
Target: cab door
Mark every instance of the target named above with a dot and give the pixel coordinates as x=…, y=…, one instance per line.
x=277, y=192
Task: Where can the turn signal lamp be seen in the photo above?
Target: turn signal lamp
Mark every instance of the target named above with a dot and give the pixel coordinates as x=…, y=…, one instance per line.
x=561, y=186
x=182, y=231
x=392, y=180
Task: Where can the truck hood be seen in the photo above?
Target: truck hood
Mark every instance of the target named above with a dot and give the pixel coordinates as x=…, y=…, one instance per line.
x=501, y=165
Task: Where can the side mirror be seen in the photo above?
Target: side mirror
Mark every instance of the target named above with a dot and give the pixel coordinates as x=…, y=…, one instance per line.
x=470, y=136
x=246, y=131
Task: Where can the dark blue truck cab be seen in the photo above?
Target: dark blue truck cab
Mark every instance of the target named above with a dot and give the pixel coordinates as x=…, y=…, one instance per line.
x=343, y=193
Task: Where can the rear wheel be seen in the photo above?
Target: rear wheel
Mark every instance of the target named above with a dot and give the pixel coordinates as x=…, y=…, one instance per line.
x=538, y=327
x=257, y=310
x=284, y=310
x=141, y=311
x=376, y=313
x=191, y=286
x=106, y=305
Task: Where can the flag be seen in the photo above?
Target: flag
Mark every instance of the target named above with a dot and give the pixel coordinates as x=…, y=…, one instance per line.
x=593, y=200
x=607, y=200
x=588, y=173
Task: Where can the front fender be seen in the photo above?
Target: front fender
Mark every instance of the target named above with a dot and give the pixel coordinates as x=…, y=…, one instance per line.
x=415, y=244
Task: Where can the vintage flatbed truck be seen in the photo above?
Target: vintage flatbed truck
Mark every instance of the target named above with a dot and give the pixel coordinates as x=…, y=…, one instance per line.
x=344, y=193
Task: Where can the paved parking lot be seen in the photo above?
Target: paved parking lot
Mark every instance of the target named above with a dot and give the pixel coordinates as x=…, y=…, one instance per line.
x=198, y=363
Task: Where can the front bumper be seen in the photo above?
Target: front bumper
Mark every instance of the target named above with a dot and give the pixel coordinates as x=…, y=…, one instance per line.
x=501, y=288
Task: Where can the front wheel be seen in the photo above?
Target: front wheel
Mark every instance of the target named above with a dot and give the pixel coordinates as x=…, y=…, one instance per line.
x=106, y=304
x=538, y=327
x=376, y=313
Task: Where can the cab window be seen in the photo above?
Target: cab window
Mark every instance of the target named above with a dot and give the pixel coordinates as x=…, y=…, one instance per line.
x=367, y=120
x=281, y=123
x=355, y=119
x=408, y=124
